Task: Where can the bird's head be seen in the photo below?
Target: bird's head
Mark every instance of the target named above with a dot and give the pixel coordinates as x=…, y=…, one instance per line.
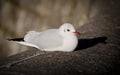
x=68, y=29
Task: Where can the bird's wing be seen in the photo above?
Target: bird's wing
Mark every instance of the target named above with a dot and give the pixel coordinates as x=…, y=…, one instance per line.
x=45, y=40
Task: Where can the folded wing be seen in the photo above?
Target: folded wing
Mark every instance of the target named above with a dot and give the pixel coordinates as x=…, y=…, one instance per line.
x=45, y=40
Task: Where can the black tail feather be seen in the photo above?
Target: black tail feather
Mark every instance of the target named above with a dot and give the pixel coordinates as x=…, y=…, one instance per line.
x=16, y=39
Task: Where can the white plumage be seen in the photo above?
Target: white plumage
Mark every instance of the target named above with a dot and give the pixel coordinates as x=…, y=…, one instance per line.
x=62, y=39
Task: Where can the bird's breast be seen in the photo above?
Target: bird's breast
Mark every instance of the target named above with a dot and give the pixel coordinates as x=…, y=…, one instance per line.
x=70, y=43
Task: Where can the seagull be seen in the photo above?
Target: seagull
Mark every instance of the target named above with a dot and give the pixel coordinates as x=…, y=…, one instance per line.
x=62, y=39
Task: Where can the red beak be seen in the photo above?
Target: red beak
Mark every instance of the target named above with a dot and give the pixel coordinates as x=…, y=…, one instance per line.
x=76, y=33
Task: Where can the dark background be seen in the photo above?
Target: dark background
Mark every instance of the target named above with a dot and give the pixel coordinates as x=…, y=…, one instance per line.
x=98, y=51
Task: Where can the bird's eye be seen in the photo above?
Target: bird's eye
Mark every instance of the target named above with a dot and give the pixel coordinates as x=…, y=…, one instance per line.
x=68, y=30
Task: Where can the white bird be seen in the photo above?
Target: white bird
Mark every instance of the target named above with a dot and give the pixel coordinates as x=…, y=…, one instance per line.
x=62, y=39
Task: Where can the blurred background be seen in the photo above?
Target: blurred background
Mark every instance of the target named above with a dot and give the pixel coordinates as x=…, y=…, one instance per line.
x=17, y=17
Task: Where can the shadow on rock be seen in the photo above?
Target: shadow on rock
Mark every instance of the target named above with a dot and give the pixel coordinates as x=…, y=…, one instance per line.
x=86, y=43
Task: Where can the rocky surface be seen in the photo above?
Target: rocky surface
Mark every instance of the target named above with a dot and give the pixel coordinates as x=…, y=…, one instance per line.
x=98, y=51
